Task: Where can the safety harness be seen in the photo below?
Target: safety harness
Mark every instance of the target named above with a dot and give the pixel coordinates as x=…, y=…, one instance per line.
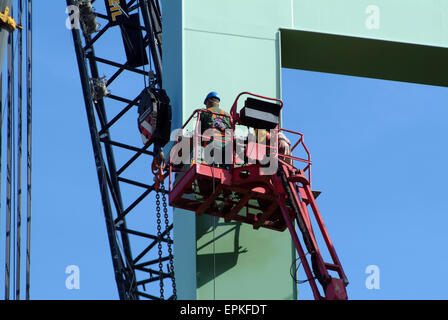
x=218, y=121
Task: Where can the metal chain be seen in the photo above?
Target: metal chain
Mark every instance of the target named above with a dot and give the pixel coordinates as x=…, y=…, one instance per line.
x=170, y=251
x=159, y=241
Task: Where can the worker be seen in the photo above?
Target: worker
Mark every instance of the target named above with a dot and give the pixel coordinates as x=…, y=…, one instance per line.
x=213, y=124
x=218, y=121
x=284, y=145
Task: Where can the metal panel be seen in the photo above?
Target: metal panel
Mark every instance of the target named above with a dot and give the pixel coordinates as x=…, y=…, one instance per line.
x=363, y=57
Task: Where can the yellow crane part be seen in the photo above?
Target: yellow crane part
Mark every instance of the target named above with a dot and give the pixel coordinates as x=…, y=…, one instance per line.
x=8, y=22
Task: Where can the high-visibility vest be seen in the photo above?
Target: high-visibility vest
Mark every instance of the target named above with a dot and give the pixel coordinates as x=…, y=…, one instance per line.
x=218, y=121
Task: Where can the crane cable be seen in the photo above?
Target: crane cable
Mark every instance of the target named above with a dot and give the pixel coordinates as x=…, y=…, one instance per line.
x=19, y=159
x=214, y=241
x=8, y=169
x=29, y=139
x=14, y=161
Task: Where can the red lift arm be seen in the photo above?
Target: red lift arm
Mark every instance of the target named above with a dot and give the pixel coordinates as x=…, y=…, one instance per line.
x=242, y=192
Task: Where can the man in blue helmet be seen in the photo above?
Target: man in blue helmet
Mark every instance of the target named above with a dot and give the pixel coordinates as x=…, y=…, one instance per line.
x=214, y=118
x=213, y=125
x=217, y=120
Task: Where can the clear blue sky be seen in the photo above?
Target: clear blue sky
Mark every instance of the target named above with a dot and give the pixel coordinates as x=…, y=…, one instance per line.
x=379, y=156
x=378, y=151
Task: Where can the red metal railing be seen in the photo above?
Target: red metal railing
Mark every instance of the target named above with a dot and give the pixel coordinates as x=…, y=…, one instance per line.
x=197, y=137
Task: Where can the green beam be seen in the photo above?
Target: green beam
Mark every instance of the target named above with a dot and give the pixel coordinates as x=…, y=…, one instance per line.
x=362, y=57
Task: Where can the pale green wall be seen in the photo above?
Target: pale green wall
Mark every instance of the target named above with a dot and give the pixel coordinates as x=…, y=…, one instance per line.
x=413, y=21
x=227, y=46
x=232, y=46
x=184, y=222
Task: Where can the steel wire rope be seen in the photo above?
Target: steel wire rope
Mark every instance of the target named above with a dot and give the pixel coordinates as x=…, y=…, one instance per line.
x=18, y=161
x=29, y=140
x=13, y=176
x=6, y=97
x=9, y=160
x=19, y=154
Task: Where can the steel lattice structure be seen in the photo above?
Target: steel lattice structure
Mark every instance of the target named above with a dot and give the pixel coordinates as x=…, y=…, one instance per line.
x=133, y=271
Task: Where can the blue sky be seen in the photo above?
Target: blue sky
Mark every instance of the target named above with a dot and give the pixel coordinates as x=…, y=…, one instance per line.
x=378, y=151
x=379, y=156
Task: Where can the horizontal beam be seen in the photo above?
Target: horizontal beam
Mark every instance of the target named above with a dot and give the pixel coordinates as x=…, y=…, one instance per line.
x=141, y=185
x=363, y=57
x=157, y=278
x=119, y=65
x=150, y=262
x=121, y=99
x=128, y=147
x=151, y=245
x=142, y=234
x=148, y=296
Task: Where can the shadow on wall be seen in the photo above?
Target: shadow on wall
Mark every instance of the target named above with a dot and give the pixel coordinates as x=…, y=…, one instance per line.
x=212, y=265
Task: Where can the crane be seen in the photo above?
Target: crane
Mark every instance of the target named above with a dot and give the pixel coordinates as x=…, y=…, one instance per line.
x=140, y=26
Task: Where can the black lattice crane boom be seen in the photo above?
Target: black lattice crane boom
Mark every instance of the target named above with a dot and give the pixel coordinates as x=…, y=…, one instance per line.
x=140, y=24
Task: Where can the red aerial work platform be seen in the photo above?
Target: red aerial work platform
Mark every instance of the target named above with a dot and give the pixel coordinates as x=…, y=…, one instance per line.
x=245, y=191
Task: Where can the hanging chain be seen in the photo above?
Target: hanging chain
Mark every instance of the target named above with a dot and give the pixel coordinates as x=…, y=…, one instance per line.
x=159, y=241
x=170, y=250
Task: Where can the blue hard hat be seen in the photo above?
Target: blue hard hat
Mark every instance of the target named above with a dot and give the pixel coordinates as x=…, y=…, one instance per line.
x=212, y=94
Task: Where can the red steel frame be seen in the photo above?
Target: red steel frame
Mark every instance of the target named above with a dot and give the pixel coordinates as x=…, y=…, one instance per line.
x=283, y=198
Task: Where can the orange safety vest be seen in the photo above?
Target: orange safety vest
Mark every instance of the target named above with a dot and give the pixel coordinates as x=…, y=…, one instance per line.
x=218, y=121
